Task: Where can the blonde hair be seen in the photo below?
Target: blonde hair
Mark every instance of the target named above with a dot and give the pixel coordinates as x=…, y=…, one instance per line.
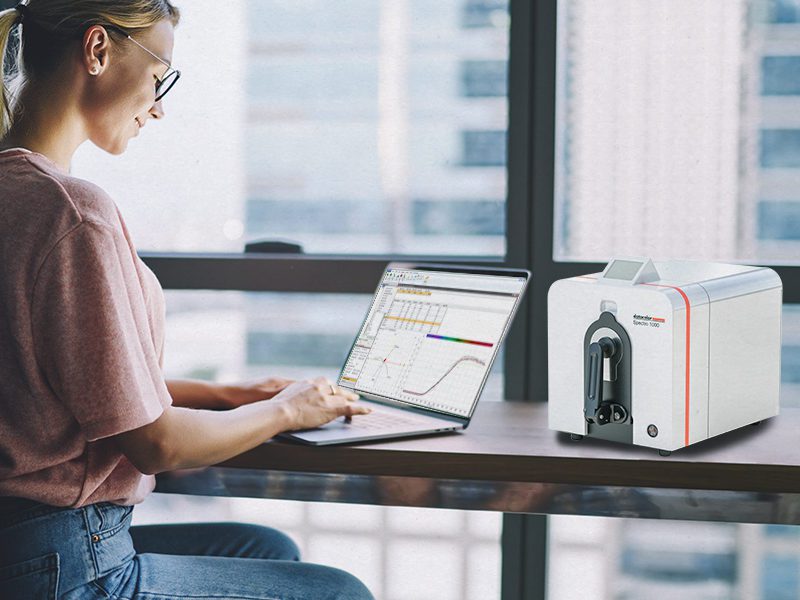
x=49, y=26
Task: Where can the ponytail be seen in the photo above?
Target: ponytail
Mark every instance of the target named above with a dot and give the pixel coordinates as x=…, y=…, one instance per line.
x=8, y=21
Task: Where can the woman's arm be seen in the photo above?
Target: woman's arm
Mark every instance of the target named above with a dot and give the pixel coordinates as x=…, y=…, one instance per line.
x=194, y=393
x=182, y=438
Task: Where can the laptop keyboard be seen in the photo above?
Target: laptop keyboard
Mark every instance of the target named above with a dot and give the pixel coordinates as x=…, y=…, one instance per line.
x=379, y=420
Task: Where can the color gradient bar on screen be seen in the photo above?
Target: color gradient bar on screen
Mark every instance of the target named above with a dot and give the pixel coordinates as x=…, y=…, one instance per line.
x=459, y=340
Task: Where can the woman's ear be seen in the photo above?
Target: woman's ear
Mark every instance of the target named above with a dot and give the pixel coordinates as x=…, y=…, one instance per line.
x=94, y=54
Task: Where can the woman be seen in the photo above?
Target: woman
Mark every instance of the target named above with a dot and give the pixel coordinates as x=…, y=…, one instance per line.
x=86, y=417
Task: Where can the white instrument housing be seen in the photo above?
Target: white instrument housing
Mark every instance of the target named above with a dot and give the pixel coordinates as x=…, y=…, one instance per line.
x=705, y=347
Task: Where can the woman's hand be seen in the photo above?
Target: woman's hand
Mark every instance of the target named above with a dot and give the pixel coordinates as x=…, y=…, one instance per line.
x=317, y=401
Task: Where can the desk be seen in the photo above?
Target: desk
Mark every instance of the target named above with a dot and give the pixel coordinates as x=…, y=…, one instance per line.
x=509, y=461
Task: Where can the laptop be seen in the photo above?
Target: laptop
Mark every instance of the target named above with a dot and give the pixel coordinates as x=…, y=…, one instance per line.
x=424, y=351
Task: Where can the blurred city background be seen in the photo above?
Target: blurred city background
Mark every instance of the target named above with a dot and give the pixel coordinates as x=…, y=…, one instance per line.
x=379, y=126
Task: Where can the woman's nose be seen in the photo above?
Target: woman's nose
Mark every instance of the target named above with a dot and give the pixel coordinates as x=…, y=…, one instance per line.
x=157, y=110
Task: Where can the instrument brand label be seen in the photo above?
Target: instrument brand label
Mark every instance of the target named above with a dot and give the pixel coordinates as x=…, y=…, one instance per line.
x=648, y=321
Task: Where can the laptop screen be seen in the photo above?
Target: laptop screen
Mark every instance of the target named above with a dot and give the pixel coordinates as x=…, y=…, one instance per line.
x=430, y=336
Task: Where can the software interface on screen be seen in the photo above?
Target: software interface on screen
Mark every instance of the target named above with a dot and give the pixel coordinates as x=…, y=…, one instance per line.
x=430, y=337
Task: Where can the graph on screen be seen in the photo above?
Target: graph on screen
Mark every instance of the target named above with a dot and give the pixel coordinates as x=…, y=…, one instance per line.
x=446, y=371
x=389, y=360
x=463, y=359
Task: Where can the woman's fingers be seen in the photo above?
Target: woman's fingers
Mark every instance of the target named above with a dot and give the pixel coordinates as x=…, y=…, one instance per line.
x=348, y=395
x=318, y=401
x=356, y=409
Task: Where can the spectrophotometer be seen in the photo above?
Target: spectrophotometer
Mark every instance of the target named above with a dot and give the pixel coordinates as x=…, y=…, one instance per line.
x=663, y=354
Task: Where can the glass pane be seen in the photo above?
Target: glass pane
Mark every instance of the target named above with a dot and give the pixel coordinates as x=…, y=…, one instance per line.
x=360, y=126
x=673, y=559
x=622, y=559
x=678, y=130
x=790, y=357
x=227, y=336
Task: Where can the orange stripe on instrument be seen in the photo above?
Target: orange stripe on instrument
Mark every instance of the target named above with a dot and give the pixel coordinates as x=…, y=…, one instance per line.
x=688, y=355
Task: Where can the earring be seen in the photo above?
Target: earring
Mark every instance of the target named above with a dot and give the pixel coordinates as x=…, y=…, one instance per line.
x=94, y=70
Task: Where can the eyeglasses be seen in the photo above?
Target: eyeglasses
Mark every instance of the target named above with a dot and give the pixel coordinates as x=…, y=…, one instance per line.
x=170, y=76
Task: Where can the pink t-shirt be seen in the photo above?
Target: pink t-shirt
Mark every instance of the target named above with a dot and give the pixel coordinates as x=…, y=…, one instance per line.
x=81, y=339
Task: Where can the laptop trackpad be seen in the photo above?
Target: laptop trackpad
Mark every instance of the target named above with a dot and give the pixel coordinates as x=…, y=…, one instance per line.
x=381, y=422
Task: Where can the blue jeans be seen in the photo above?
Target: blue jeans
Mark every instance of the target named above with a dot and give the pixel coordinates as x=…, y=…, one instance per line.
x=92, y=552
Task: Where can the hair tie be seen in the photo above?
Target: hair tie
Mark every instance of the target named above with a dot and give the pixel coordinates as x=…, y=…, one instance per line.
x=22, y=9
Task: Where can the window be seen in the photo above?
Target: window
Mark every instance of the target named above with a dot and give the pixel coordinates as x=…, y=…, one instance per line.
x=784, y=11
x=677, y=136
x=667, y=143
x=329, y=121
x=270, y=218
x=779, y=577
x=484, y=148
x=779, y=220
x=485, y=13
x=780, y=76
x=459, y=217
x=668, y=559
x=484, y=78
x=780, y=148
